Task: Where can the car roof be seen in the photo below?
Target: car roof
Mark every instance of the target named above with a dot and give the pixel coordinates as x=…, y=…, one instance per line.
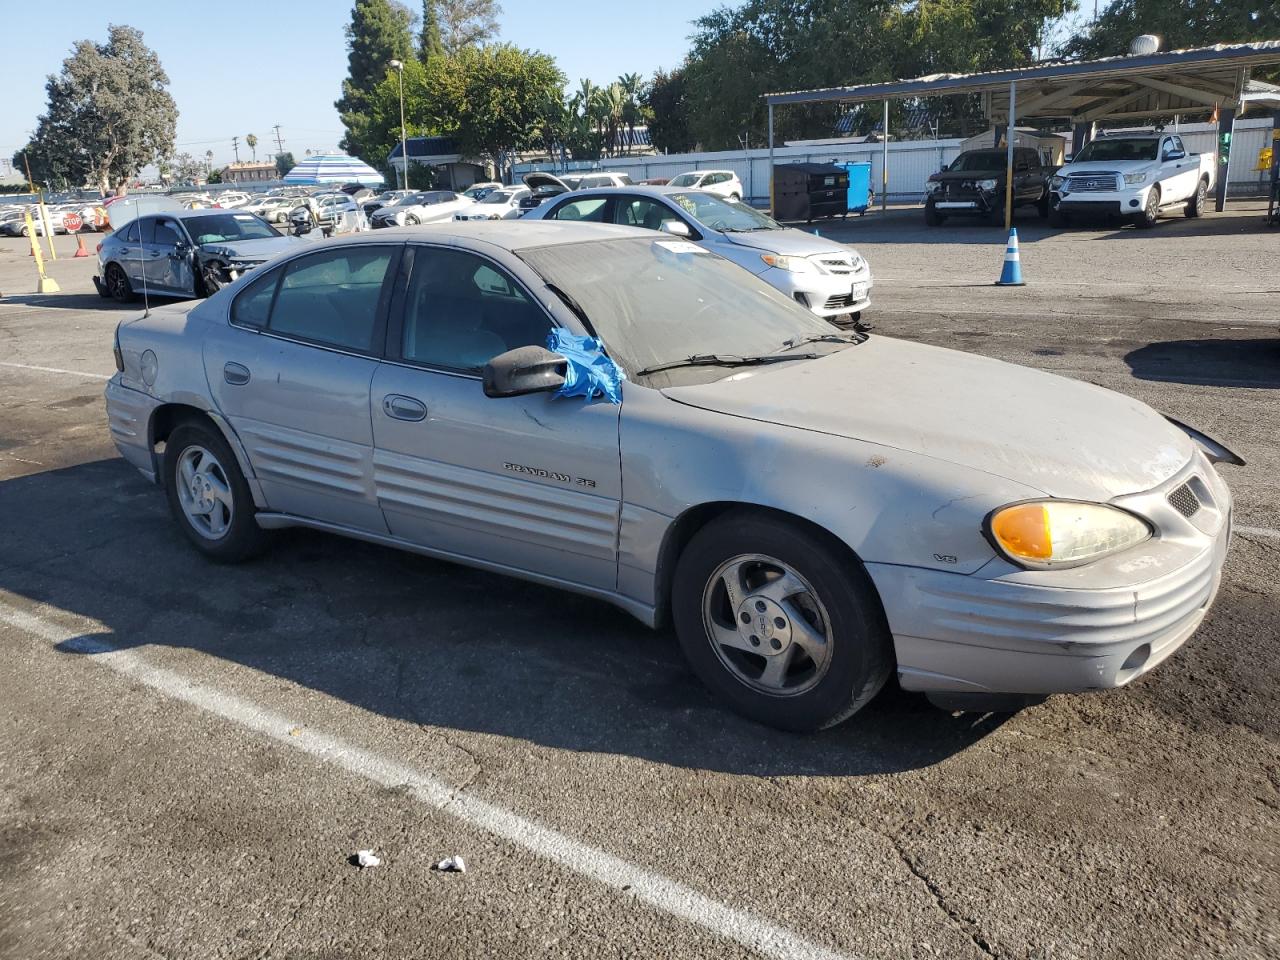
x=508, y=234
x=701, y=171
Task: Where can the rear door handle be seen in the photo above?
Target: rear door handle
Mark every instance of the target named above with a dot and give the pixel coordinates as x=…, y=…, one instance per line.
x=403, y=408
x=236, y=374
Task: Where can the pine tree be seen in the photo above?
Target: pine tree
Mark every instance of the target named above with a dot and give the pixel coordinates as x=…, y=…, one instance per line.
x=429, y=42
x=379, y=32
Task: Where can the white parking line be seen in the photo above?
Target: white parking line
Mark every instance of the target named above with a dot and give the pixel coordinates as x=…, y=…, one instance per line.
x=659, y=892
x=73, y=373
x=1258, y=531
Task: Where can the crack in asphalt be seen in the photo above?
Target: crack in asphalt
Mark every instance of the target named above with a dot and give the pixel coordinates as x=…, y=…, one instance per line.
x=966, y=926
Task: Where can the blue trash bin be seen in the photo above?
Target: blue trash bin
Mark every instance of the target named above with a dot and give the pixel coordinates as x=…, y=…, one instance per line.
x=859, y=186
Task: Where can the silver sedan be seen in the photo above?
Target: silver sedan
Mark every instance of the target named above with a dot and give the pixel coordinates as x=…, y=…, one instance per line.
x=814, y=511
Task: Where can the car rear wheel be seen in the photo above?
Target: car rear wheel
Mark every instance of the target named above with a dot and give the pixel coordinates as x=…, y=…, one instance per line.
x=208, y=495
x=1195, y=206
x=779, y=623
x=118, y=284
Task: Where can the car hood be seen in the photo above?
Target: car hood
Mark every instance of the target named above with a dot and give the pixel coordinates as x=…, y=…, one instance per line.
x=1066, y=438
x=263, y=249
x=540, y=179
x=950, y=176
x=1100, y=168
x=789, y=242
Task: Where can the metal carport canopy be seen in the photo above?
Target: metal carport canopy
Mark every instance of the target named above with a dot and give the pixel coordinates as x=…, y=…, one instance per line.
x=1128, y=87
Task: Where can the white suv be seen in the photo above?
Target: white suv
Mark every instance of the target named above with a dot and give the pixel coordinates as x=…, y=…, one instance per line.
x=722, y=182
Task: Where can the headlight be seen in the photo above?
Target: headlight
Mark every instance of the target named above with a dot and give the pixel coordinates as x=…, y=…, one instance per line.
x=1056, y=182
x=1062, y=533
x=933, y=186
x=987, y=185
x=790, y=264
x=1211, y=448
x=858, y=264
x=1132, y=178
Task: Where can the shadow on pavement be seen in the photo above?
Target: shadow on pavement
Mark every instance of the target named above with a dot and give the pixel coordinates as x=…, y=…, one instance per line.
x=1221, y=363
x=419, y=640
x=68, y=301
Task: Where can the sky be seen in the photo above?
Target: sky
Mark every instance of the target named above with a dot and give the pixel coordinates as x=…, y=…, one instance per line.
x=242, y=66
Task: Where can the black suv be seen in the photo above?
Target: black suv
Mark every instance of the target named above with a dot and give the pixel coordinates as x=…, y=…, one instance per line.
x=974, y=185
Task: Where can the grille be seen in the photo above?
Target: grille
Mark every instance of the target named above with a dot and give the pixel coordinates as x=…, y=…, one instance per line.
x=845, y=300
x=1184, y=500
x=836, y=266
x=1087, y=184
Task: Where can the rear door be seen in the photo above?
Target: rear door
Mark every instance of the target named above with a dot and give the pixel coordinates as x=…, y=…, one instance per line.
x=131, y=254
x=291, y=374
x=528, y=483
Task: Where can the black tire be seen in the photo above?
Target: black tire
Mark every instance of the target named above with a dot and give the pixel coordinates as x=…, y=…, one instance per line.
x=1042, y=206
x=1195, y=206
x=861, y=652
x=1151, y=212
x=118, y=285
x=410, y=220
x=210, y=279
x=995, y=216
x=931, y=215
x=243, y=538
x=1058, y=219
x=735, y=198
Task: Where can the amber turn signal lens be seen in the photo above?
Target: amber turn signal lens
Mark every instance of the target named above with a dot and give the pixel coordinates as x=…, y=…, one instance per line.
x=1024, y=531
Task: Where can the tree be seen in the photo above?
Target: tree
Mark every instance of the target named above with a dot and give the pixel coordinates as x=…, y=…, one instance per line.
x=1178, y=23
x=252, y=142
x=215, y=176
x=284, y=163
x=379, y=32
x=430, y=43
x=109, y=114
x=187, y=169
x=467, y=23
x=633, y=112
x=664, y=100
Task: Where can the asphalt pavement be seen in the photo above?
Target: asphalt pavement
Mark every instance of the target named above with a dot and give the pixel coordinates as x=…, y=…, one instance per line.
x=189, y=754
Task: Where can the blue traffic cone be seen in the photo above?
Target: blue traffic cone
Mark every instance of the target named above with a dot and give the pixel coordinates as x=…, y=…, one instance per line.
x=1011, y=275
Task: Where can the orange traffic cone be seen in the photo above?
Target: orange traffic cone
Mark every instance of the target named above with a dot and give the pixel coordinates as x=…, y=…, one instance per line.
x=80, y=250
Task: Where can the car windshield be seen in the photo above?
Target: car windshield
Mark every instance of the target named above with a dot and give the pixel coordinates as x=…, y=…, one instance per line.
x=980, y=160
x=654, y=301
x=412, y=200
x=724, y=215
x=685, y=180
x=1118, y=150
x=498, y=196
x=221, y=227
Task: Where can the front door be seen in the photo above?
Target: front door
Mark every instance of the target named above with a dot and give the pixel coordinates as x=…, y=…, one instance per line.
x=167, y=258
x=291, y=373
x=530, y=483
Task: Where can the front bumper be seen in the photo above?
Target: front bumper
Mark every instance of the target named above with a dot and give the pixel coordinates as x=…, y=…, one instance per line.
x=1004, y=630
x=972, y=205
x=827, y=295
x=1100, y=203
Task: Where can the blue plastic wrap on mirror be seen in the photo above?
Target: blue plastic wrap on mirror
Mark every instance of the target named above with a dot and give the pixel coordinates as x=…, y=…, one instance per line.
x=589, y=373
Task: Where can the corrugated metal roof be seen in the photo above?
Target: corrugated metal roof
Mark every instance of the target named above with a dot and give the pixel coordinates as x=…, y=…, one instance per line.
x=1208, y=71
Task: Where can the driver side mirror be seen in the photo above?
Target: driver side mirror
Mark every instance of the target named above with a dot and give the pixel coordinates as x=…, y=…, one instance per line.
x=677, y=228
x=524, y=370
x=1173, y=155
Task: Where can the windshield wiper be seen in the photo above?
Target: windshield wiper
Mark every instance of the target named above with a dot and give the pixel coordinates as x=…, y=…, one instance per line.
x=744, y=229
x=724, y=360
x=824, y=338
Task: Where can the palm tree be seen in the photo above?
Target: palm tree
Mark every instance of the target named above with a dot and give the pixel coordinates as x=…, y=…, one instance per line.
x=631, y=112
x=252, y=141
x=612, y=107
x=208, y=161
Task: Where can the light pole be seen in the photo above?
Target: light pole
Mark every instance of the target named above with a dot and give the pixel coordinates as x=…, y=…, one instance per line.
x=404, y=148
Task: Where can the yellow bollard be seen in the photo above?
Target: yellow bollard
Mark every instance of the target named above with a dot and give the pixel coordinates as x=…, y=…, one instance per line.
x=48, y=230
x=43, y=284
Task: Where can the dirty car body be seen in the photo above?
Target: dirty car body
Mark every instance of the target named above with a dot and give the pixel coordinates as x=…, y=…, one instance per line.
x=813, y=510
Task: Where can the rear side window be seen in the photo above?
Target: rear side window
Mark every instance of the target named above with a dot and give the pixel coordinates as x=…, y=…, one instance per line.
x=252, y=307
x=166, y=232
x=592, y=209
x=131, y=232
x=332, y=297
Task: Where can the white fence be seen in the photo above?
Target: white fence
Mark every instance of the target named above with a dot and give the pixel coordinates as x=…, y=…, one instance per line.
x=911, y=161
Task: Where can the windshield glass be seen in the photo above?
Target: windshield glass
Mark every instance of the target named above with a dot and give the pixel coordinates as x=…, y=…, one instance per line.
x=980, y=160
x=653, y=301
x=724, y=215
x=221, y=227
x=412, y=200
x=1118, y=150
x=498, y=196
x=685, y=180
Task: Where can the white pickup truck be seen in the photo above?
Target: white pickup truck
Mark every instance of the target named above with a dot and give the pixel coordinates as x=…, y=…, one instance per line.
x=1136, y=175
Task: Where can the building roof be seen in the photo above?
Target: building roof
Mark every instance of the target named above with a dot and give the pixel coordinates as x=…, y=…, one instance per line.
x=1143, y=85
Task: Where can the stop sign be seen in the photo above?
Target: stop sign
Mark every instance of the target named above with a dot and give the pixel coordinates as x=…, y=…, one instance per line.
x=72, y=222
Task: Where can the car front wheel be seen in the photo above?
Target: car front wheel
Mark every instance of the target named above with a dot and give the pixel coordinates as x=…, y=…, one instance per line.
x=1151, y=212
x=208, y=495
x=780, y=623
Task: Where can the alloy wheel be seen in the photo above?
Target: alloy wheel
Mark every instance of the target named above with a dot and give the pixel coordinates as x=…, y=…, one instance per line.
x=204, y=491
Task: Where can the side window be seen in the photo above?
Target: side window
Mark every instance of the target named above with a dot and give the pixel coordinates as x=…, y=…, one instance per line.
x=461, y=311
x=252, y=307
x=332, y=297
x=589, y=208
x=131, y=232
x=1176, y=143
x=166, y=232
x=147, y=228
x=642, y=212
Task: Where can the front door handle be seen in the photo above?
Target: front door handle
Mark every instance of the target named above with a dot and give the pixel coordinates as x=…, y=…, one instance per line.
x=236, y=374
x=403, y=408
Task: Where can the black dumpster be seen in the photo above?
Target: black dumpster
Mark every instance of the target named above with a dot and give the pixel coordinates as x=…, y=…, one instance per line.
x=804, y=191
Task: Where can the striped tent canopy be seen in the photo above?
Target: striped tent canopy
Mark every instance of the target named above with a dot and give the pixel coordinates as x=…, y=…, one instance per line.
x=333, y=168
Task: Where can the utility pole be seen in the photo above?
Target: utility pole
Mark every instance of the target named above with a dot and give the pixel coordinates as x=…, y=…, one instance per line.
x=279, y=142
x=235, y=145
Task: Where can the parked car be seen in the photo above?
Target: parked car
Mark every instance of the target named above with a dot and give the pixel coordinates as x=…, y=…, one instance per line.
x=722, y=182
x=501, y=204
x=544, y=185
x=230, y=199
x=184, y=253
x=374, y=204
x=17, y=227
x=429, y=206
x=975, y=185
x=272, y=209
x=1134, y=175
x=813, y=511
x=478, y=191
x=831, y=279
